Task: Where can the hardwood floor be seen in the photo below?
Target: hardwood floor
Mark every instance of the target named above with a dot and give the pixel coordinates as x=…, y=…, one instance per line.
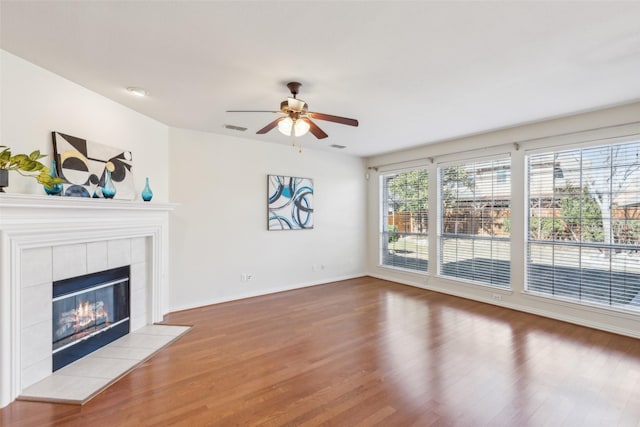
x=367, y=352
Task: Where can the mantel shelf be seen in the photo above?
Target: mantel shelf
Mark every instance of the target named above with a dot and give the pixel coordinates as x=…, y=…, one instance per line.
x=31, y=201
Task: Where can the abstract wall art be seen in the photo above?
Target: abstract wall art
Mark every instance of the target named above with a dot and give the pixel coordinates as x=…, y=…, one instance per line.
x=290, y=202
x=83, y=165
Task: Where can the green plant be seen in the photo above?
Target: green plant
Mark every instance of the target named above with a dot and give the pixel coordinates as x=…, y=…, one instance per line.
x=545, y=228
x=581, y=214
x=506, y=225
x=27, y=165
x=393, y=234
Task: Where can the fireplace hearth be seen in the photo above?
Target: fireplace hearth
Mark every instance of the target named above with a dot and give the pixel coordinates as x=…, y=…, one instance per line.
x=89, y=312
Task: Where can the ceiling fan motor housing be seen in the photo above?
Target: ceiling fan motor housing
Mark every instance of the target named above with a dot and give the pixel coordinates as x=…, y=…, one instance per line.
x=286, y=107
x=294, y=88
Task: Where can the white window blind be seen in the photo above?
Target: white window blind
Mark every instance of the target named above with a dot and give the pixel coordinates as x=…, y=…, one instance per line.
x=475, y=221
x=404, y=219
x=584, y=224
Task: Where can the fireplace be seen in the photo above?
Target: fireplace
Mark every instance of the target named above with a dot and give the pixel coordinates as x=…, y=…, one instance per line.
x=89, y=312
x=48, y=239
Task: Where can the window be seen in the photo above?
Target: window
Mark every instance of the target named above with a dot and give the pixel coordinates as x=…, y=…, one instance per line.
x=502, y=175
x=403, y=239
x=584, y=224
x=475, y=221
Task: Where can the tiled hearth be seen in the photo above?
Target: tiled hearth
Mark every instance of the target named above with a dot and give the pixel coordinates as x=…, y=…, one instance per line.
x=83, y=379
x=43, y=239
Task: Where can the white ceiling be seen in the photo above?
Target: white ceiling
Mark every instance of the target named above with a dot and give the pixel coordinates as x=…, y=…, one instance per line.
x=412, y=73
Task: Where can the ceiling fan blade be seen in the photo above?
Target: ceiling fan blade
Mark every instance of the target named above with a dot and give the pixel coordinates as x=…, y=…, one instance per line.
x=314, y=129
x=336, y=119
x=270, y=126
x=252, y=111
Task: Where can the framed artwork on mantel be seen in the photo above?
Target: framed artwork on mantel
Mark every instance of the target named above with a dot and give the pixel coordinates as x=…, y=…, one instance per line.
x=83, y=165
x=290, y=202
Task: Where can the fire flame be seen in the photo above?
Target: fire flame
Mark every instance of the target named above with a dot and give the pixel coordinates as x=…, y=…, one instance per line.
x=88, y=313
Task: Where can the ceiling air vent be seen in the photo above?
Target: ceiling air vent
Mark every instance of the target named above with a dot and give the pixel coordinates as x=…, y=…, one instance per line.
x=338, y=146
x=234, y=127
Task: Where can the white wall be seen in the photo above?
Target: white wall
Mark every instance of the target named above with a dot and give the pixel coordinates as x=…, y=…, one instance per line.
x=623, y=121
x=219, y=229
x=36, y=102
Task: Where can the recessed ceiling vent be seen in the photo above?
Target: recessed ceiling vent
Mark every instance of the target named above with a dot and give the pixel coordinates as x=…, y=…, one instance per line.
x=338, y=146
x=234, y=127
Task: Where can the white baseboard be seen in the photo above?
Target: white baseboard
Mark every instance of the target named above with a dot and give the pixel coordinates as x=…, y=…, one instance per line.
x=262, y=292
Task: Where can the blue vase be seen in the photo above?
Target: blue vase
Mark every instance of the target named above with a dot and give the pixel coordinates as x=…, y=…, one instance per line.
x=55, y=189
x=147, y=194
x=108, y=189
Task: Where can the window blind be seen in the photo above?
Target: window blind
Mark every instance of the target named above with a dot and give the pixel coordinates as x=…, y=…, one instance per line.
x=584, y=224
x=404, y=220
x=475, y=221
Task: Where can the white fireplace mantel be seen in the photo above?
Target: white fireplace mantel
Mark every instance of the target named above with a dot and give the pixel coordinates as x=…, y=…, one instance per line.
x=30, y=222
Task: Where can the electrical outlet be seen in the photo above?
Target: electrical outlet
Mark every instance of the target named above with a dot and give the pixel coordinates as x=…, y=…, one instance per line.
x=249, y=276
x=497, y=297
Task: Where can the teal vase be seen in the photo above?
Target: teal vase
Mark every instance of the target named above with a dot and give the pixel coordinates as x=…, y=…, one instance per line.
x=147, y=194
x=108, y=190
x=55, y=189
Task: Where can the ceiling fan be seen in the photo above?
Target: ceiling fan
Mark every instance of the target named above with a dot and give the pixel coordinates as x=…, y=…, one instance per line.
x=297, y=117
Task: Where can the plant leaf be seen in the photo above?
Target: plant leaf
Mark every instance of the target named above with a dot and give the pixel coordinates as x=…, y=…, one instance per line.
x=35, y=155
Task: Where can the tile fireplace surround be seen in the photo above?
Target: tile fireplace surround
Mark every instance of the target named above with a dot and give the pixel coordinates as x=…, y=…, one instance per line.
x=43, y=239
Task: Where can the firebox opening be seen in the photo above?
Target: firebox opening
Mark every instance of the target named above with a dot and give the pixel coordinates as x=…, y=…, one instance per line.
x=89, y=312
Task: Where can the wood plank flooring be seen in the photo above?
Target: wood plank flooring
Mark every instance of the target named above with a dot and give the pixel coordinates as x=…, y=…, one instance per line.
x=366, y=352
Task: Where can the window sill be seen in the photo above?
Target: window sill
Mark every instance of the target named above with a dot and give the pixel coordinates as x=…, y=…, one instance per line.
x=404, y=270
x=476, y=285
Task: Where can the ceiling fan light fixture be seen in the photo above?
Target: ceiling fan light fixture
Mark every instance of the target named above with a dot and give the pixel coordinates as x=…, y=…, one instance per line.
x=285, y=126
x=299, y=127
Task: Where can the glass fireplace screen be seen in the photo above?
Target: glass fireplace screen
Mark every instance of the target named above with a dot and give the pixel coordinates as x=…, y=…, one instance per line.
x=89, y=312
